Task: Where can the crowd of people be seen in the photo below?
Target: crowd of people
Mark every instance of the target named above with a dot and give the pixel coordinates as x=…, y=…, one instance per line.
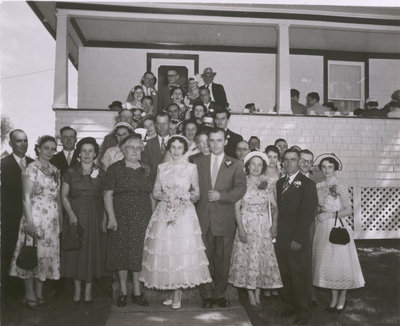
x=179, y=200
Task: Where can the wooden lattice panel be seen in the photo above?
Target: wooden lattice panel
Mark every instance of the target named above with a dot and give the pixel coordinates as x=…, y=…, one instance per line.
x=380, y=209
x=350, y=218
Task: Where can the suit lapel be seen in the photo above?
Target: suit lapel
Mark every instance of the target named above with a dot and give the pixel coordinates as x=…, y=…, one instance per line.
x=207, y=167
x=221, y=170
x=15, y=163
x=292, y=187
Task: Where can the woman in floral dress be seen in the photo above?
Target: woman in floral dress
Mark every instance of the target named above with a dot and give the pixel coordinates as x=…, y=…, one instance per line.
x=335, y=266
x=40, y=221
x=174, y=255
x=253, y=264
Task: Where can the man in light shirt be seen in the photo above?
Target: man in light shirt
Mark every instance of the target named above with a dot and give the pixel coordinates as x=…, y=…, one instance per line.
x=313, y=105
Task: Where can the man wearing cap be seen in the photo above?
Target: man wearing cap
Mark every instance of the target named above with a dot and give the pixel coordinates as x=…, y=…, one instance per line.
x=110, y=140
x=67, y=157
x=12, y=167
x=217, y=91
x=114, y=154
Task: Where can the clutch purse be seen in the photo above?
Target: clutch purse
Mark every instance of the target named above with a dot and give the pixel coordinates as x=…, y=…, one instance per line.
x=27, y=258
x=71, y=237
x=339, y=235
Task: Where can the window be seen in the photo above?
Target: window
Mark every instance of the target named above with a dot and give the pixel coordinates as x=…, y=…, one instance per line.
x=346, y=85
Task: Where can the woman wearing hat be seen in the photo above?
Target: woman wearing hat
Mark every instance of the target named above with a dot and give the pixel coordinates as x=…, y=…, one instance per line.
x=82, y=198
x=254, y=265
x=335, y=266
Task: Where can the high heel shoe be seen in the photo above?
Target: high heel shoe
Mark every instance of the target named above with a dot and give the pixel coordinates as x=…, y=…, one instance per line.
x=177, y=305
x=168, y=302
x=340, y=310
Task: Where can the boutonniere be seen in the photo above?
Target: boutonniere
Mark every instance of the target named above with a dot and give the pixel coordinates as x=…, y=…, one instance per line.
x=228, y=163
x=95, y=173
x=228, y=136
x=153, y=92
x=297, y=184
x=333, y=191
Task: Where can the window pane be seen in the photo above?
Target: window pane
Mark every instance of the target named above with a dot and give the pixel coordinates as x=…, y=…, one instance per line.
x=344, y=82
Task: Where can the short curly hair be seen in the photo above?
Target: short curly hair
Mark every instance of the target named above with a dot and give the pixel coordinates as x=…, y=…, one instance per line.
x=88, y=140
x=42, y=140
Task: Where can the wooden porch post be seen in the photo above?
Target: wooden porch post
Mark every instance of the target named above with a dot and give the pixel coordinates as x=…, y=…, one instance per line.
x=283, y=70
x=60, y=95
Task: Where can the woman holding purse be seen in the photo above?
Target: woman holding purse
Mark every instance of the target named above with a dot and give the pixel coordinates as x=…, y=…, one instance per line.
x=40, y=222
x=335, y=266
x=82, y=197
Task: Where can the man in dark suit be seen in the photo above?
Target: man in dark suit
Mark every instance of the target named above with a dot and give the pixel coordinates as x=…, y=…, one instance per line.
x=205, y=97
x=11, y=209
x=164, y=91
x=68, y=156
x=217, y=91
x=222, y=183
x=297, y=201
x=221, y=119
x=155, y=147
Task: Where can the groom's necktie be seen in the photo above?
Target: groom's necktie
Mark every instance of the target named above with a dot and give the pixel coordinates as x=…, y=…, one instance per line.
x=214, y=173
x=286, y=184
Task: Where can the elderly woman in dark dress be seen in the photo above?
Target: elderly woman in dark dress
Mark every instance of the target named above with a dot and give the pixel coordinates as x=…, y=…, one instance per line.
x=82, y=198
x=127, y=203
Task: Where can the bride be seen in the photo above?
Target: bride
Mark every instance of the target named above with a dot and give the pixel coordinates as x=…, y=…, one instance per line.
x=174, y=254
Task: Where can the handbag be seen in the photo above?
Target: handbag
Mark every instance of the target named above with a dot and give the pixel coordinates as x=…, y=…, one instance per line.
x=27, y=258
x=71, y=237
x=339, y=235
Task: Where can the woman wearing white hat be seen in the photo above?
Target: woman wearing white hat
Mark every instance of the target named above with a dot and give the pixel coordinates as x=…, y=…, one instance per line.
x=254, y=265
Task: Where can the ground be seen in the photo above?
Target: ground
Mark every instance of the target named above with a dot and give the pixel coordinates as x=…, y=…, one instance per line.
x=375, y=304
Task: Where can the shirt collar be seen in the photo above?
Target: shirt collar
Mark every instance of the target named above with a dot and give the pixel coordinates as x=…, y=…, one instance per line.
x=165, y=138
x=293, y=176
x=18, y=159
x=220, y=157
x=66, y=152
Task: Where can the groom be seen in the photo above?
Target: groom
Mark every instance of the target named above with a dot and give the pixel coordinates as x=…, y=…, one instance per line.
x=297, y=202
x=222, y=183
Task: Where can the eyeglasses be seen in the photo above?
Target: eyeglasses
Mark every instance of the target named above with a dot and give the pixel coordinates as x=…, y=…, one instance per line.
x=171, y=75
x=308, y=162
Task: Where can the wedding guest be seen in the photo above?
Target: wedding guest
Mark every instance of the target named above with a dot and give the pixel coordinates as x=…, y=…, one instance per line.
x=116, y=106
x=193, y=95
x=282, y=145
x=217, y=91
x=137, y=115
x=136, y=95
x=174, y=254
x=149, y=124
x=222, y=184
x=254, y=265
x=242, y=149
x=173, y=111
x=313, y=105
x=295, y=147
x=221, y=119
x=297, y=201
x=335, y=267
x=40, y=223
x=205, y=97
x=148, y=83
x=164, y=95
x=254, y=143
x=189, y=131
x=174, y=127
x=297, y=108
x=127, y=203
x=306, y=165
x=177, y=96
x=110, y=140
x=198, y=112
x=208, y=120
x=202, y=144
x=114, y=154
x=68, y=156
x=12, y=167
x=148, y=107
x=81, y=194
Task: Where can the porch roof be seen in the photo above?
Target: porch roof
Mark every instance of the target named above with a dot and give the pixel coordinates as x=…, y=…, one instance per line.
x=225, y=27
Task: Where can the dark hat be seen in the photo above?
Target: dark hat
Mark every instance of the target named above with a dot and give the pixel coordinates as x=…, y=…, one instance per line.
x=116, y=104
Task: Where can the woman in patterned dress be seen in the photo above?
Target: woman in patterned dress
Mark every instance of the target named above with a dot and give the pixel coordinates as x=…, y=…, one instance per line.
x=41, y=221
x=253, y=264
x=128, y=206
x=335, y=266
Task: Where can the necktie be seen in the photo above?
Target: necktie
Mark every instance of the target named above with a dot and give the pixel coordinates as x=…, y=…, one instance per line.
x=22, y=164
x=214, y=172
x=69, y=158
x=163, y=145
x=286, y=184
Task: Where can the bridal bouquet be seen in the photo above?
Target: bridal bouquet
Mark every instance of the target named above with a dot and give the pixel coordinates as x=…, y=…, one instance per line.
x=177, y=199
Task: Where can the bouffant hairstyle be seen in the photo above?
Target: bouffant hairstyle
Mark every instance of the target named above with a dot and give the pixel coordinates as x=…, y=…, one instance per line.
x=88, y=140
x=179, y=139
x=330, y=160
x=246, y=166
x=173, y=89
x=272, y=148
x=42, y=140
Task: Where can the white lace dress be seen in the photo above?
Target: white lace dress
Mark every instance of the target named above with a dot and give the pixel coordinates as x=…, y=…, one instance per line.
x=174, y=254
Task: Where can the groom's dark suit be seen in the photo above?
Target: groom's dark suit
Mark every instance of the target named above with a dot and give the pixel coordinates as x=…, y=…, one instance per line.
x=296, y=208
x=217, y=219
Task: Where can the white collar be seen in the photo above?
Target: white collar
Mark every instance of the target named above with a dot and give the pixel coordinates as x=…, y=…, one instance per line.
x=160, y=138
x=18, y=159
x=293, y=176
x=220, y=156
x=66, y=152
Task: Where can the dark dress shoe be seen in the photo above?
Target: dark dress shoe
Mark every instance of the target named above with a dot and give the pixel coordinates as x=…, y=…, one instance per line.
x=288, y=312
x=207, y=304
x=140, y=300
x=331, y=309
x=222, y=303
x=302, y=319
x=122, y=300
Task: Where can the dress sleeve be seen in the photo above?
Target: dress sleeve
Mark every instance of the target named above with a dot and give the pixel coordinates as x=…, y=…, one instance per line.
x=31, y=172
x=157, y=190
x=194, y=182
x=111, y=179
x=106, y=159
x=344, y=194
